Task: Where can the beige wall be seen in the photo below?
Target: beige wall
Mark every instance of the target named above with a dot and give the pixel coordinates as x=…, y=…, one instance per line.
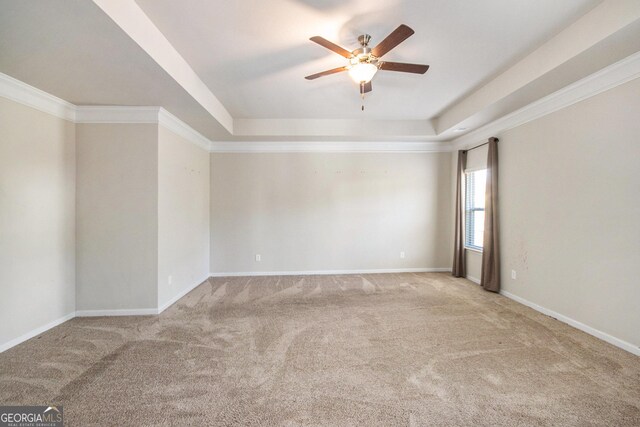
x=117, y=222
x=569, y=211
x=37, y=219
x=474, y=265
x=98, y=216
x=183, y=215
x=322, y=211
x=569, y=190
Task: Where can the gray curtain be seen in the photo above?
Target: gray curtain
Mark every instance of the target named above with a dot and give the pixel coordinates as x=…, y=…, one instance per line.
x=459, y=263
x=490, y=279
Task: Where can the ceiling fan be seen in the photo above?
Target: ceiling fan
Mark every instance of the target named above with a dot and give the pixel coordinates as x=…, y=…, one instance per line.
x=364, y=62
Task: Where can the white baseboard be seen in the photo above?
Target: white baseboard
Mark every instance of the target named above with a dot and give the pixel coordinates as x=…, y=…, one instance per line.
x=473, y=279
x=96, y=313
x=152, y=311
x=327, y=272
x=180, y=295
x=634, y=349
x=121, y=312
x=35, y=332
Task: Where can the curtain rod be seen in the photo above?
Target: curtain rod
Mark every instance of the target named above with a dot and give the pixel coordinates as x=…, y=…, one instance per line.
x=480, y=145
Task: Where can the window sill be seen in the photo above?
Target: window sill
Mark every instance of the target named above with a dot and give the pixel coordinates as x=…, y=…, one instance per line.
x=473, y=249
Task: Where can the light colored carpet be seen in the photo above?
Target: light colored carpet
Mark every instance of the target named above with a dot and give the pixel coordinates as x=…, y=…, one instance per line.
x=388, y=350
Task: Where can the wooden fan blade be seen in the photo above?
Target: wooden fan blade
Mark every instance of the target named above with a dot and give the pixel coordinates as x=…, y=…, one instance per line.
x=405, y=68
x=398, y=35
x=366, y=87
x=326, y=73
x=331, y=46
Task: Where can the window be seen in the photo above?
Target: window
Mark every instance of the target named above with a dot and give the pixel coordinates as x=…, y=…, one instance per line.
x=474, y=208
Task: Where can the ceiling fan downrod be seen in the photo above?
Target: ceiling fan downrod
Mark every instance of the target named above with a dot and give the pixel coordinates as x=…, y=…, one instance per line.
x=364, y=40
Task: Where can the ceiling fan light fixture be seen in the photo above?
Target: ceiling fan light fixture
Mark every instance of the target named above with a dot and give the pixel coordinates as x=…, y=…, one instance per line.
x=364, y=62
x=363, y=72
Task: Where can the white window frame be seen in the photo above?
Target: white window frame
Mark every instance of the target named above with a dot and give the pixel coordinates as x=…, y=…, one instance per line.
x=468, y=212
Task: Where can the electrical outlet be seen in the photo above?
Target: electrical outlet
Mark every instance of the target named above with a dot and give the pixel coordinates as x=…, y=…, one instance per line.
x=169, y=279
x=513, y=274
x=402, y=254
x=258, y=258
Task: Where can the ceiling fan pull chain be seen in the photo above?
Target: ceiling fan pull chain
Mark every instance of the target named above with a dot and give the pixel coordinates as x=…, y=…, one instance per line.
x=362, y=95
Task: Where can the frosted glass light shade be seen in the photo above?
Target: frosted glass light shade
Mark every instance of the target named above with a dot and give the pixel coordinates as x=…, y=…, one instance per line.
x=363, y=72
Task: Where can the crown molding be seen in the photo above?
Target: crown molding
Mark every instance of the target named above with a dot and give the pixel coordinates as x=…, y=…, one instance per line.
x=328, y=147
x=23, y=93
x=30, y=96
x=182, y=129
x=132, y=114
x=607, y=78
x=597, y=27
x=130, y=17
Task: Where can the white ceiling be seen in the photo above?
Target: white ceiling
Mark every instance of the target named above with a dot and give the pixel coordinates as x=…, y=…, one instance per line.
x=234, y=70
x=254, y=54
x=71, y=49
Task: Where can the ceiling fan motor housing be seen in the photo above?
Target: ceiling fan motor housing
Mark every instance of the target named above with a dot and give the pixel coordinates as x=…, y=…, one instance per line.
x=363, y=54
